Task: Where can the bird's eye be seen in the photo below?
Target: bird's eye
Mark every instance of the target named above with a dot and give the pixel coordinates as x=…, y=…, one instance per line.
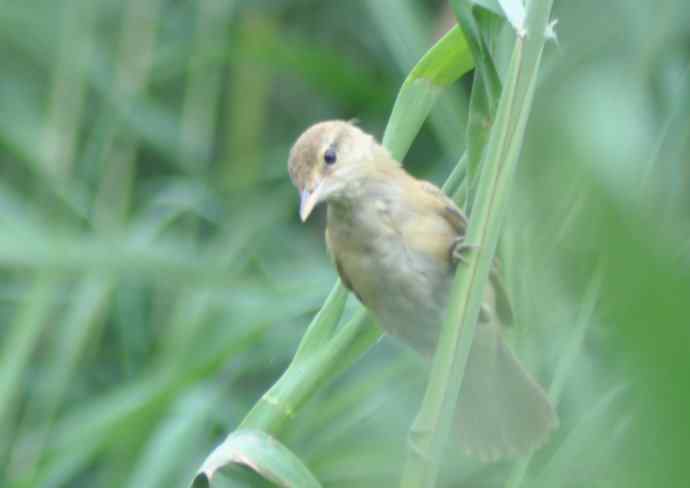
x=329, y=156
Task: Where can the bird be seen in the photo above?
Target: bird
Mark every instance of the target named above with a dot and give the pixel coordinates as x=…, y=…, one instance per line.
x=396, y=242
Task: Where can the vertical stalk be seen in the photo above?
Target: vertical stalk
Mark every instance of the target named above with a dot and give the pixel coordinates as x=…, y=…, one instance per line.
x=431, y=430
x=137, y=45
x=204, y=83
x=247, y=103
x=68, y=89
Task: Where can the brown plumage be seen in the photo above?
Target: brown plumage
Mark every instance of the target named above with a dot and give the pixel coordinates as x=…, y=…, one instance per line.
x=392, y=238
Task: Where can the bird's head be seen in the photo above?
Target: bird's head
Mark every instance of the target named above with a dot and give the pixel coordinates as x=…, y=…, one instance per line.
x=326, y=157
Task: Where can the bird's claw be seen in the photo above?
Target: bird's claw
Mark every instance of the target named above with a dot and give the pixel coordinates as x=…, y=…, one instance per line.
x=459, y=250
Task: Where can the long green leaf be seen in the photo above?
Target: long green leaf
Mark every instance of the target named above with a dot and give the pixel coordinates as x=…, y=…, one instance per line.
x=21, y=341
x=442, y=65
x=405, y=30
x=486, y=88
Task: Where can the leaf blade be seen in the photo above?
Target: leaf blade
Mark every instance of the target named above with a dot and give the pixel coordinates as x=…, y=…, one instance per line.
x=261, y=453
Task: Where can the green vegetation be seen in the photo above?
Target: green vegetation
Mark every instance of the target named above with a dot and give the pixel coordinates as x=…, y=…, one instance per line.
x=156, y=282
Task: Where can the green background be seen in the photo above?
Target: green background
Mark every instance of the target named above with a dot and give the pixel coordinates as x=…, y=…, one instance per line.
x=155, y=279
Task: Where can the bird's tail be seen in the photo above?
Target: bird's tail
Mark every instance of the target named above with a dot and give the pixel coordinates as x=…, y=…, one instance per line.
x=502, y=410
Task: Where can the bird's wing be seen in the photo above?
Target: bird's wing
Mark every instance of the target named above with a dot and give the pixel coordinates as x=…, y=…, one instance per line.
x=427, y=221
x=458, y=221
x=445, y=207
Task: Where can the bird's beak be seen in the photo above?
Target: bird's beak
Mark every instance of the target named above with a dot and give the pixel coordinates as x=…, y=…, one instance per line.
x=308, y=200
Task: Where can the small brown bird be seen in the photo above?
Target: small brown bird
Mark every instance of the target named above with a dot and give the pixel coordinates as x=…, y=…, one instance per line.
x=396, y=242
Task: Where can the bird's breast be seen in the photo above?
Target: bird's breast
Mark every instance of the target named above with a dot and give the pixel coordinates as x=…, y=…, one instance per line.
x=405, y=287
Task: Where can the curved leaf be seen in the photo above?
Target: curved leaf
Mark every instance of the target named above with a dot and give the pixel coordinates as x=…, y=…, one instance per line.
x=262, y=454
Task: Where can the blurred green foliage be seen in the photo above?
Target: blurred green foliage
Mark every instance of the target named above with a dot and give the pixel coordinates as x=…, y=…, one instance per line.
x=155, y=279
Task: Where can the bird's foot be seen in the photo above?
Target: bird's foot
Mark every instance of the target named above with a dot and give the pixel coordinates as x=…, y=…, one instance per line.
x=459, y=250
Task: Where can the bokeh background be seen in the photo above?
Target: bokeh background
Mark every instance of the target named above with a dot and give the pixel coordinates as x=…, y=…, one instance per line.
x=155, y=279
